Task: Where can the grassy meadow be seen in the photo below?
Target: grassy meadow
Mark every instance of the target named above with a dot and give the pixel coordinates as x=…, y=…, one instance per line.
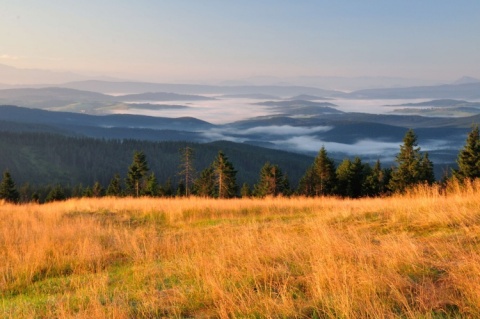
x=410, y=256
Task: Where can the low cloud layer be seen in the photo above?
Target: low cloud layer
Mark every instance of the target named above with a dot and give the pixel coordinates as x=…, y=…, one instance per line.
x=237, y=135
x=284, y=130
x=365, y=147
x=302, y=140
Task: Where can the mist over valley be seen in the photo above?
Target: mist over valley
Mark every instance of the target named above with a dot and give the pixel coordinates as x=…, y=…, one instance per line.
x=285, y=118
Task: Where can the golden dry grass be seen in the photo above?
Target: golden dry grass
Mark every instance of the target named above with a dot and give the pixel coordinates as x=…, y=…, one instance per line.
x=410, y=256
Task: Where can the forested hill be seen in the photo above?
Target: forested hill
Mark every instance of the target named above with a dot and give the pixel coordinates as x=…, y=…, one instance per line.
x=45, y=158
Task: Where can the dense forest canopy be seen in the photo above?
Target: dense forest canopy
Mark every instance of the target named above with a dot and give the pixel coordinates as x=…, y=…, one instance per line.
x=43, y=158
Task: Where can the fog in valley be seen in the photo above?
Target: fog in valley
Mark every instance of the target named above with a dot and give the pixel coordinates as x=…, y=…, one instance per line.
x=302, y=139
x=228, y=110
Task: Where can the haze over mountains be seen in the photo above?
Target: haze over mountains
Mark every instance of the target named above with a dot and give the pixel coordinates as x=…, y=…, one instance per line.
x=11, y=76
x=300, y=119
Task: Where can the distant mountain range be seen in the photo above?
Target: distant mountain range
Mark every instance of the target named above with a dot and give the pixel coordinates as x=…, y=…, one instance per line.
x=72, y=100
x=300, y=120
x=466, y=80
x=161, y=96
x=469, y=91
x=142, y=87
x=370, y=136
x=446, y=91
x=16, y=76
x=444, y=108
x=301, y=107
x=439, y=103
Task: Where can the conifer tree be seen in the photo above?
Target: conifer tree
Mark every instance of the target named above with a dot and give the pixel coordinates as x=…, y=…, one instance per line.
x=57, y=193
x=344, y=175
x=87, y=192
x=151, y=188
x=136, y=173
x=77, y=191
x=187, y=169
x=166, y=190
x=114, y=187
x=25, y=192
x=426, y=168
x=97, y=190
x=225, y=177
x=307, y=183
x=8, y=191
x=205, y=185
x=180, y=189
x=320, y=179
x=375, y=180
x=271, y=182
x=324, y=172
x=468, y=159
x=350, y=178
x=245, y=191
x=413, y=167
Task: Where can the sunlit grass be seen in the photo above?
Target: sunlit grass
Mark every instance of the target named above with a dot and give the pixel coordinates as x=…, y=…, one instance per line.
x=410, y=256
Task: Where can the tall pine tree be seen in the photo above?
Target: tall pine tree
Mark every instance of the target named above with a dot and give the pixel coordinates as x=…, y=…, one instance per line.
x=376, y=180
x=320, y=179
x=136, y=173
x=151, y=188
x=115, y=186
x=271, y=182
x=413, y=167
x=350, y=178
x=225, y=177
x=8, y=191
x=187, y=169
x=468, y=159
x=204, y=185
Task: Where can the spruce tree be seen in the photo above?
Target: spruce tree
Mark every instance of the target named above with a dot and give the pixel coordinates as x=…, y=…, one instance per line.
x=97, y=190
x=271, y=182
x=350, y=178
x=324, y=175
x=204, y=185
x=187, y=169
x=306, y=186
x=357, y=180
x=136, y=173
x=180, y=189
x=468, y=159
x=375, y=180
x=166, y=190
x=344, y=175
x=151, y=188
x=245, y=191
x=413, y=167
x=8, y=191
x=115, y=187
x=426, y=169
x=225, y=177
x=57, y=193
x=87, y=192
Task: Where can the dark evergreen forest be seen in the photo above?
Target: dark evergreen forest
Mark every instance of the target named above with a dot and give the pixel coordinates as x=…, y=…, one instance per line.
x=54, y=167
x=47, y=159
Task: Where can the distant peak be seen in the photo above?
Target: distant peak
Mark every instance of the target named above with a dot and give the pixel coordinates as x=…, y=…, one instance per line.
x=466, y=80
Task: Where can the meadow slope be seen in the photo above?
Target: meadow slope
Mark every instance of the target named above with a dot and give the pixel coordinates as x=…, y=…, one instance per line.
x=410, y=256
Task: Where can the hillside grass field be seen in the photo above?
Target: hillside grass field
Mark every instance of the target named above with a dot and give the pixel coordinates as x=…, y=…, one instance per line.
x=411, y=256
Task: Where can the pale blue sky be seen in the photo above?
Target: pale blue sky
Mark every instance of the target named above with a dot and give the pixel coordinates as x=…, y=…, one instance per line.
x=191, y=40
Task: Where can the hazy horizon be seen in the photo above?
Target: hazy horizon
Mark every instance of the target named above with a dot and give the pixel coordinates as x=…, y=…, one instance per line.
x=209, y=42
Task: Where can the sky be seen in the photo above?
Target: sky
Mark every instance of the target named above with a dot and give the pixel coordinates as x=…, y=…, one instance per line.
x=195, y=41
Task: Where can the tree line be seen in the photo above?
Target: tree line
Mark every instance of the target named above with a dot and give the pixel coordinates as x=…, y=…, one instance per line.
x=350, y=178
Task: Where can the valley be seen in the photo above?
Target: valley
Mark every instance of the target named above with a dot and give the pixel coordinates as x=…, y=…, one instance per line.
x=289, y=118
